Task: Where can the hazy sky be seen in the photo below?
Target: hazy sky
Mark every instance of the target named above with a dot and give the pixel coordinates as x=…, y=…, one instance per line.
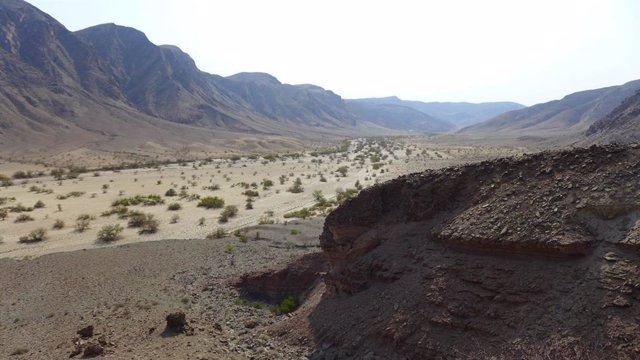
x=524, y=51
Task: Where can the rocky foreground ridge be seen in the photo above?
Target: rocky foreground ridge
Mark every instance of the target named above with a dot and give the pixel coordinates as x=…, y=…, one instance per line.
x=532, y=257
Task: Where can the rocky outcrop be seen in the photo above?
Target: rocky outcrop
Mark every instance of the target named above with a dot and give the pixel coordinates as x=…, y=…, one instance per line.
x=512, y=258
x=294, y=280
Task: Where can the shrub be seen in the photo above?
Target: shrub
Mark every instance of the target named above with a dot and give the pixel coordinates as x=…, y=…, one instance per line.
x=82, y=224
x=287, y=305
x=266, y=184
x=150, y=225
x=302, y=213
x=243, y=238
x=23, y=218
x=20, y=208
x=86, y=217
x=136, y=219
x=57, y=174
x=175, y=218
x=171, y=192
x=3, y=214
x=34, y=236
x=110, y=233
x=211, y=202
x=174, y=206
x=343, y=195
x=342, y=170
x=58, y=224
x=296, y=187
x=121, y=210
x=249, y=204
x=219, y=233
x=228, y=212
x=38, y=205
x=251, y=193
x=147, y=223
x=228, y=248
x=144, y=200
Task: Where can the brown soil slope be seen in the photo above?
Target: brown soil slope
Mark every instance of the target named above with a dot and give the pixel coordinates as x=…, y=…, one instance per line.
x=533, y=257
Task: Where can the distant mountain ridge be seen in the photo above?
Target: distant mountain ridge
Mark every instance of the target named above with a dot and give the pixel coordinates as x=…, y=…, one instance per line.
x=108, y=87
x=572, y=114
x=399, y=117
x=459, y=114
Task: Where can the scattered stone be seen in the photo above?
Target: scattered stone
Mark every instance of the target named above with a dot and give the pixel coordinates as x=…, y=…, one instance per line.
x=250, y=324
x=611, y=256
x=86, y=332
x=621, y=301
x=176, y=321
x=93, y=350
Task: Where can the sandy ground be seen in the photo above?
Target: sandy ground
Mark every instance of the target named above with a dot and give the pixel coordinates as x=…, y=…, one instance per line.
x=98, y=191
x=126, y=291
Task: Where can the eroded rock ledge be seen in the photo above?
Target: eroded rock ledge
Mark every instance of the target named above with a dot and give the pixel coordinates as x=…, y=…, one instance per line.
x=521, y=257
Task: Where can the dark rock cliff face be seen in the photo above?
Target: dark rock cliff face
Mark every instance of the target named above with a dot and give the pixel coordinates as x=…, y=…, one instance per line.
x=513, y=258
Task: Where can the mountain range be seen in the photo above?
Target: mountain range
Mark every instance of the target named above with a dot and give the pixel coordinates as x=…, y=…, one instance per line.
x=458, y=114
x=108, y=88
x=573, y=114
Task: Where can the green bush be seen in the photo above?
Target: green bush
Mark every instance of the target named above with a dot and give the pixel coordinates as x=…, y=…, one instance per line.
x=296, y=187
x=174, y=206
x=287, y=305
x=144, y=200
x=171, y=192
x=302, y=213
x=121, y=210
x=343, y=195
x=251, y=193
x=342, y=170
x=38, y=205
x=147, y=223
x=136, y=219
x=228, y=212
x=266, y=184
x=82, y=224
x=149, y=226
x=85, y=217
x=23, y=218
x=110, y=233
x=34, y=236
x=219, y=233
x=58, y=224
x=211, y=202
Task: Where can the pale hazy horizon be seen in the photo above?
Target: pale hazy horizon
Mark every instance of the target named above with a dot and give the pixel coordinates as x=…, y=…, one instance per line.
x=526, y=51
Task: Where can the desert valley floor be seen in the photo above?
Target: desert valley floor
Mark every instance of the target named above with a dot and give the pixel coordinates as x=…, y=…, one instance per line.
x=91, y=195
